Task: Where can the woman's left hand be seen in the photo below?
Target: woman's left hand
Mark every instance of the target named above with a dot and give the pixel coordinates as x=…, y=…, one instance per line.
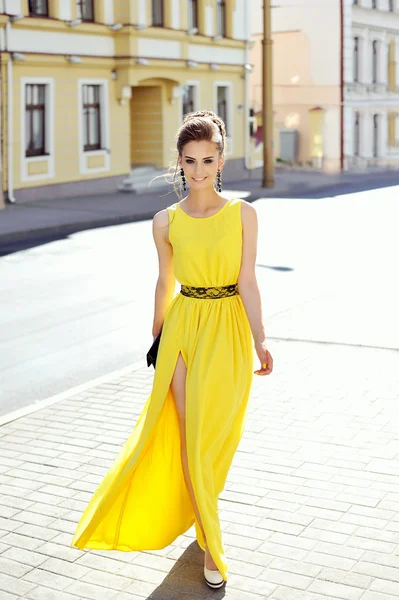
x=266, y=360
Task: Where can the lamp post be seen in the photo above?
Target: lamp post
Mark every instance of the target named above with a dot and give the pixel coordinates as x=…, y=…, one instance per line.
x=268, y=159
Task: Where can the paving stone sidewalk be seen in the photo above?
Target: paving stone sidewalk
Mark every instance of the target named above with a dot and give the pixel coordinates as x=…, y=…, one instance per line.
x=310, y=510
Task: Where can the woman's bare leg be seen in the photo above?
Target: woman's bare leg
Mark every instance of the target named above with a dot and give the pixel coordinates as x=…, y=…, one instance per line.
x=178, y=385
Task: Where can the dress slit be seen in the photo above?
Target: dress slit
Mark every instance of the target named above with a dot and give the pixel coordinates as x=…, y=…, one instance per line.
x=121, y=475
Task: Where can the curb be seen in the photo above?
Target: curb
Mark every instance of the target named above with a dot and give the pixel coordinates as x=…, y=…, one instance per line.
x=43, y=234
x=32, y=408
x=56, y=231
x=49, y=232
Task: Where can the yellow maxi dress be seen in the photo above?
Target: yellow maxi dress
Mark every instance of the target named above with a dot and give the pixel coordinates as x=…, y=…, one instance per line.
x=143, y=502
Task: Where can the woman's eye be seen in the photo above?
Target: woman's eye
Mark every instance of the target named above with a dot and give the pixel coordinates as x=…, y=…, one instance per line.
x=189, y=161
x=209, y=160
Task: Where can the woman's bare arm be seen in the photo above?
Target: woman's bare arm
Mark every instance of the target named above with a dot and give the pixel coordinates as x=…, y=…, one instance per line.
x=165, y=286
x=248, y=285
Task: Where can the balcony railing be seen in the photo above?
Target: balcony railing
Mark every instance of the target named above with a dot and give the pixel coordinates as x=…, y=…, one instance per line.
x=355, y=87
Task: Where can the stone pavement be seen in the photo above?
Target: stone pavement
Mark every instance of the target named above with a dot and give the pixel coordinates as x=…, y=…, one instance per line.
x=310, y=510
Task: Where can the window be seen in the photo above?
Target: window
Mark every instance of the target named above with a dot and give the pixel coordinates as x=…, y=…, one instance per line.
x=376, y=141
x=85, y=10
x=91, y=117
x=188, y=99
x=221, y=17
x=356, y=59
x=222, y=106
x=392, y=129
x=38, y=8
x=35, y=119
x=356, y=140
x=375, y=62
x=391, y=67
x=192, y=14
x=157, y=13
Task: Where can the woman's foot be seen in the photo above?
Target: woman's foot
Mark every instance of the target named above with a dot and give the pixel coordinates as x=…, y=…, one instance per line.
x=209, y=562
x=212, y=575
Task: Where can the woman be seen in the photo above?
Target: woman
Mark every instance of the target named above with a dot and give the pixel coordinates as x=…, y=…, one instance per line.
x=174, y=465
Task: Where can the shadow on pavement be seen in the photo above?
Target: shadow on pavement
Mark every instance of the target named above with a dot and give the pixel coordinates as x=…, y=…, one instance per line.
x=186, y=579
x=275, y=268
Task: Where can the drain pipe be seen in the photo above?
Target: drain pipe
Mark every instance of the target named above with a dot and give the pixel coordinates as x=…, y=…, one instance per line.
x=247, y=73
x=342, y=115
x=10, y=188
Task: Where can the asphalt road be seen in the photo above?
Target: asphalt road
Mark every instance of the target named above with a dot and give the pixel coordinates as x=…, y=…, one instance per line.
x=81, y=307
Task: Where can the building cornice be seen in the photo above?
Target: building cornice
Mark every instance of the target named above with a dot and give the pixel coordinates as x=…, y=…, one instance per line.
x=129, y=30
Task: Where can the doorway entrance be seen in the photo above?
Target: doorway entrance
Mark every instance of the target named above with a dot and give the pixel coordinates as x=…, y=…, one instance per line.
x=146, y=126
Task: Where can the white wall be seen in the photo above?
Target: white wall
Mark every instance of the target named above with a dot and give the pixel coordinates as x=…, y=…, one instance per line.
x=12, y=7
x=256, y=16
x=319, y=21
x=239, y=19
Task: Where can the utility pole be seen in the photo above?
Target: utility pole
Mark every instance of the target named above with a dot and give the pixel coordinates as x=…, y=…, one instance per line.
x=268, y=159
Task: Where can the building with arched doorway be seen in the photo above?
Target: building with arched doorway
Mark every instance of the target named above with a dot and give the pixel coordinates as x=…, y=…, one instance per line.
x=96, y=88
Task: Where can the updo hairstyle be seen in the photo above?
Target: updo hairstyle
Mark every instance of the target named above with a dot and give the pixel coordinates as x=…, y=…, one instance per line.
x=203, y=125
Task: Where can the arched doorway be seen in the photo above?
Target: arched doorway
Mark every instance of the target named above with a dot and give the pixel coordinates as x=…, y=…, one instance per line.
x=154, y=118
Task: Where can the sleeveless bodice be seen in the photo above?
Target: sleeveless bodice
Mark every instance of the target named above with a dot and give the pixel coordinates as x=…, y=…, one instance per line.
x=207, y=251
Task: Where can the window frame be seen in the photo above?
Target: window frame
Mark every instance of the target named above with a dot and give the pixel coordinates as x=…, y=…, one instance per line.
x=30, y=109
x=376, y=135
x=85, y=168
x=86, y=106
x=221, y=18
x=155, y=6
x=33, y=10
x=49, y=157
x=374, y=61
x=356, y=58
x=357, y=135
x=230, y=121
x=193, y=14
x=195, y=85
x=80, y=4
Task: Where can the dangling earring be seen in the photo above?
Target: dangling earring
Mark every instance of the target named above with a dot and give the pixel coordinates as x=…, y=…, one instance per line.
x=219, y=181
x=183, y=180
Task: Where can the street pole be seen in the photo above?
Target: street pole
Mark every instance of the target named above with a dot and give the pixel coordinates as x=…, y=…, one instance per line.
x=268, y=159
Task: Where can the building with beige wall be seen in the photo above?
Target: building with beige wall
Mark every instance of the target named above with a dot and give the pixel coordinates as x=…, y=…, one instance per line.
x=335, y=74
x=92, y=88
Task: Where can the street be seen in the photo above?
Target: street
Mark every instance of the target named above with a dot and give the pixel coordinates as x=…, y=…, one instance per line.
x=81, y=307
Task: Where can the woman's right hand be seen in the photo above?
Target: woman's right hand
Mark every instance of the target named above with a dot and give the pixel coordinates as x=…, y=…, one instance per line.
x=265, y=358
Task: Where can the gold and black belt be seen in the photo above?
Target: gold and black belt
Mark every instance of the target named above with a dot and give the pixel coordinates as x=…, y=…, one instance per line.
x=210, y=292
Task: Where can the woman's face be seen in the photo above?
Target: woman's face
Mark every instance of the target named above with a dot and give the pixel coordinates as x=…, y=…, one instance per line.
x=200, y=162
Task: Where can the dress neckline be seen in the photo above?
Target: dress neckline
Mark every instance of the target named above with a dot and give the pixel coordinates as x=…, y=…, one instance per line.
x=205, y=218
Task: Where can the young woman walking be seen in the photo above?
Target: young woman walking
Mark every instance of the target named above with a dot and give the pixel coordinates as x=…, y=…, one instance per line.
x=174, y=465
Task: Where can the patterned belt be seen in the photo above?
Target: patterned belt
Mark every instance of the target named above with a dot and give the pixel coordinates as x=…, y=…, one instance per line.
x=210, y=292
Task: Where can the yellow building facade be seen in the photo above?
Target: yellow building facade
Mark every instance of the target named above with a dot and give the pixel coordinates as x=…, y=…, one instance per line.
x=92, y=88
